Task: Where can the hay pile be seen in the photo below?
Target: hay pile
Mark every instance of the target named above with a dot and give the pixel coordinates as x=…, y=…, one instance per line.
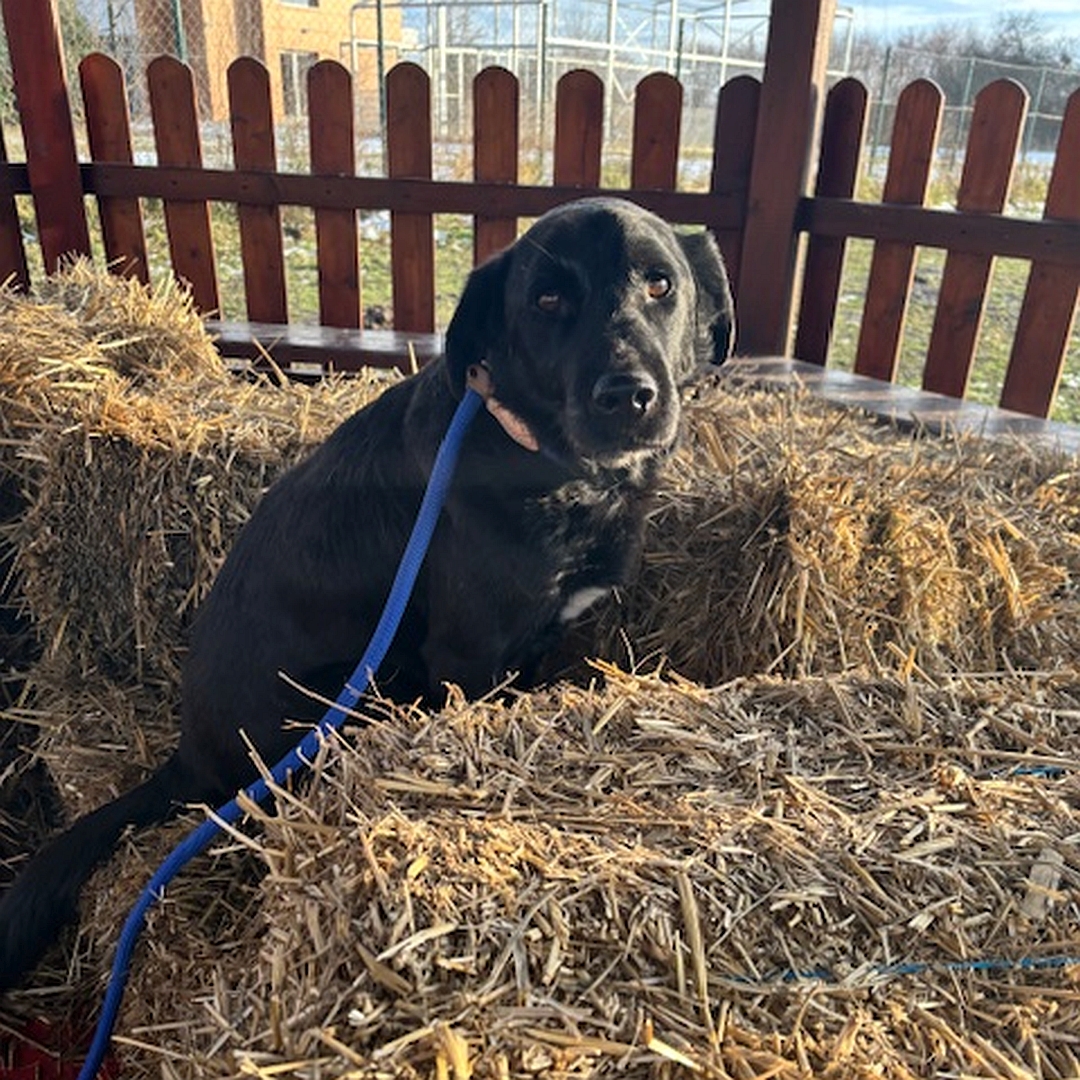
x=138, y=456
x=619, y=874
x=594, y=882
x=800, y=539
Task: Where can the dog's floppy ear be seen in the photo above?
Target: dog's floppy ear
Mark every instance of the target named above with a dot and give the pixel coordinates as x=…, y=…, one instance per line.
x=477, y=328
x=715, y=308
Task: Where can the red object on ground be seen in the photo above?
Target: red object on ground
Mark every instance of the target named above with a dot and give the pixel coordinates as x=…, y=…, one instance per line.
x=36, y=1050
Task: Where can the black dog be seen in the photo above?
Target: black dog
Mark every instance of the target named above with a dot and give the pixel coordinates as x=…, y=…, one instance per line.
x=579, y=336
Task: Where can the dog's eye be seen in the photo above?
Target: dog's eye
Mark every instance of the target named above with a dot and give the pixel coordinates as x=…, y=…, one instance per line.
x=657, y=285
x=549, y=302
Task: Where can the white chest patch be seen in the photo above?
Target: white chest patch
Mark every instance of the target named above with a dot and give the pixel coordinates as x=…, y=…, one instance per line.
x=580, y=602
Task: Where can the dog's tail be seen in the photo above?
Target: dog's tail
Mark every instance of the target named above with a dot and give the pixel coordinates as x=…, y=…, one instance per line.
x=44, y=897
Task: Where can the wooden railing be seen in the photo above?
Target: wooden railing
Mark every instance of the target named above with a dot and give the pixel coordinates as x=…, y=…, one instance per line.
x=973, y=235
x=758, y=202
x=409, y=193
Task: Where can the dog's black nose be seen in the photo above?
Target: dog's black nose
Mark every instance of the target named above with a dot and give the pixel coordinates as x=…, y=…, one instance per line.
x=624, y=392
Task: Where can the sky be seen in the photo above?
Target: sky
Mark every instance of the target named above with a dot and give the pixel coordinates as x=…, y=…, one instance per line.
x=892, y=16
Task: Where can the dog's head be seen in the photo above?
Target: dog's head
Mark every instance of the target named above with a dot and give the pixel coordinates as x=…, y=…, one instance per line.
x=585, y=328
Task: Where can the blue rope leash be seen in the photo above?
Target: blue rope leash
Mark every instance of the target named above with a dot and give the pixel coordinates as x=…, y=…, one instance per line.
x=304, y=752
x=896, y=971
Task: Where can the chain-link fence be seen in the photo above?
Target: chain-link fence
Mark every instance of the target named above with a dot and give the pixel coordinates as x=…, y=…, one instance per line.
x=961, y=78
x=701, y=42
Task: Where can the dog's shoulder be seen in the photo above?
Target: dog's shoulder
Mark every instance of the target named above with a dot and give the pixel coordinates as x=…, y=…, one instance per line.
x=380, y=450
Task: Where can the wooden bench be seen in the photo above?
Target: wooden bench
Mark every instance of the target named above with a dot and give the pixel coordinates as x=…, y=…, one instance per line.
x=922, y=410
x=312, y=350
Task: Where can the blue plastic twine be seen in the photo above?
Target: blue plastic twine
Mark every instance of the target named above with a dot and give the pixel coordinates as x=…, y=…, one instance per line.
x=304, y=752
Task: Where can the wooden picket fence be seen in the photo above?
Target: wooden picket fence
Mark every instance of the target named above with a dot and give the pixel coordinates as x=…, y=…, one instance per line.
x=757, y=202
x=972, y=235
x=494, y=199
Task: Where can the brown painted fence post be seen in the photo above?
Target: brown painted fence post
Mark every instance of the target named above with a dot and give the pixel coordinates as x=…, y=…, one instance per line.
x=997, y=122
x=408, y=154
x=579, y=129
x=792, y=94
x=37, y=67
x=733, y=152
x=252, y=122
x=892, y=267
x=1046, y=318
x=496, y=95
x=176, y=137
x=108, y=127
x=330, y=122
x=838, y=172
x=654, y=161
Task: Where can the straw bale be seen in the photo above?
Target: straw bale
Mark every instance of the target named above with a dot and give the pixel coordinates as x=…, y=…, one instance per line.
x=798, y=538
x=83, y=329
x=98, y=739
x=615, y=880
x=789, y=536
x=131, y=457
x=140, y=456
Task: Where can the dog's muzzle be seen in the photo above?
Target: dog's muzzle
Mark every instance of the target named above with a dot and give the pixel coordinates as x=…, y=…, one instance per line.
x=625, y=396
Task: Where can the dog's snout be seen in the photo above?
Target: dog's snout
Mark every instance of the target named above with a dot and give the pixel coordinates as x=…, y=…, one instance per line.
x=629, y=393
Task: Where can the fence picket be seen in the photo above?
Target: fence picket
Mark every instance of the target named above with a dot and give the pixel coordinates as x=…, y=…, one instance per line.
x=408, y=134
x=495, y=158
x=330, y=122
x=176, y=135
x=733, y=147
x=579, y=129
x=1046, y=317
x=108, y=130
x=996, y=124
x=842, y=139
x=892, y=266
x=37, y=71
x=13, y=268
x=654, y=160
x=252, y=124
